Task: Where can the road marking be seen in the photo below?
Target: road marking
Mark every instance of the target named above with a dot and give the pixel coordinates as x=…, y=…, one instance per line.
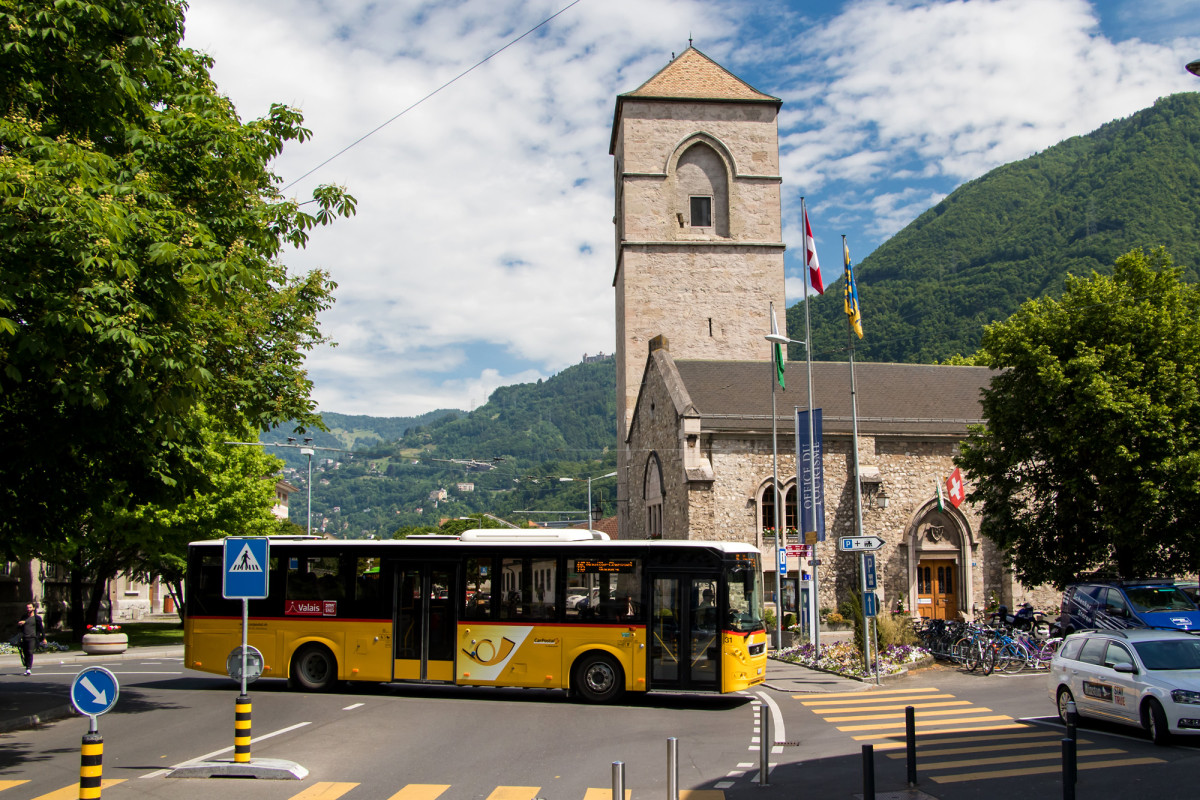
x=160, y=772
x=983, y=748
x=1049, y=755
x=859, y=698
x=776, y=718
x=701, y=794
x=420, y=791
x=72, y=792
x=324, y=790
x=604, y=794
x=1047, y=770
x=859, y=695
x=924, y=723
x=944, y=712
x=900, y=707
x=1013, y=727
x=354, y=706
x=10, y=784
x=514, y=793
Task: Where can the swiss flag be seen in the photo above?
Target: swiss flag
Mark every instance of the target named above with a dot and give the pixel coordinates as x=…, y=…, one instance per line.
x=954, y=488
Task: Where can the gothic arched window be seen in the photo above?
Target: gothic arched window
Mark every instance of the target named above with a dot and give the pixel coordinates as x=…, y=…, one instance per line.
x=702, y=191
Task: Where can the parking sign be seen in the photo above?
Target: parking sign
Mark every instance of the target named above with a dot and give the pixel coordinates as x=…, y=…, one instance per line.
x=245, y=576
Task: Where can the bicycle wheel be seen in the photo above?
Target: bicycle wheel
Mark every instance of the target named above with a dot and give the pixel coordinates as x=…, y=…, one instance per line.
x=1012, y=659
x=987, y=657
x=970, y=653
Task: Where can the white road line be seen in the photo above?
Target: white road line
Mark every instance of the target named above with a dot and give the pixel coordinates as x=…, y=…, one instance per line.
x=206, y=756
x=351, y=708
x=776, y=717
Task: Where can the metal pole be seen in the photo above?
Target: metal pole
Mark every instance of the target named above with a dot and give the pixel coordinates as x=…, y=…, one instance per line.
x=245, y=639
x=910, y=743
x=589, y=505
x=1072, y=719
x=309, y=452
x=765, y=738
x=618, y=780
x=778, y=499
x=868, y=757
x=814, y=628
x=1068, y=769
x=672, y=768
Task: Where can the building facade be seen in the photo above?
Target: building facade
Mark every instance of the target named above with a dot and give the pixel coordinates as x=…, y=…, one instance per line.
x=699, y=265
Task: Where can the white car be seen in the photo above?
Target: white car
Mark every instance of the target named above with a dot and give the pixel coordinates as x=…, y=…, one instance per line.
x=1144, y=677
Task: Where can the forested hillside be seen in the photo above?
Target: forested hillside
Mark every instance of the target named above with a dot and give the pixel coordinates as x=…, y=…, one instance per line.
x=1014, y=234
x=506, y=456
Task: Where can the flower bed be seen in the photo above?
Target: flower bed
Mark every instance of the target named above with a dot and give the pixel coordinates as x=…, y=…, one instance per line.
x=843, y=658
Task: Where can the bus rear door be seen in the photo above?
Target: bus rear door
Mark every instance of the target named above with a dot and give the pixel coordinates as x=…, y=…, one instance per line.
x=425, y=623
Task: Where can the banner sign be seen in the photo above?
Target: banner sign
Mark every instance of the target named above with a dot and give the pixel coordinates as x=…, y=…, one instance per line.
x=812, y=517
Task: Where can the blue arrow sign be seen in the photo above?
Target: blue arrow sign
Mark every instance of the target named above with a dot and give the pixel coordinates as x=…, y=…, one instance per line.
x=94, y=691
x=870, y=604
x=245, y=576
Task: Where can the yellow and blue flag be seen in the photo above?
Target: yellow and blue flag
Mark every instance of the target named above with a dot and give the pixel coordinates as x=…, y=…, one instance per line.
x=851, y=293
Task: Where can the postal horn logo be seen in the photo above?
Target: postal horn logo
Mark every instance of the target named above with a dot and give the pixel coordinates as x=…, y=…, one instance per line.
x=487, y=654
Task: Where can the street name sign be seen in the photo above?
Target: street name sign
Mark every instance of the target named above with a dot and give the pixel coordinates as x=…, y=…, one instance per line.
x=245, y=575
x=859, y=543
x=94, y=691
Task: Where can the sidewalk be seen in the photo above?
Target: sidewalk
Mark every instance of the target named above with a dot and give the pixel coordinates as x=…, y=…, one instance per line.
x=26, y=702
x=784, y=676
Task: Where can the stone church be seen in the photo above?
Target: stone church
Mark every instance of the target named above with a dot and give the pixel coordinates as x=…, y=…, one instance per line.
x=699, y=263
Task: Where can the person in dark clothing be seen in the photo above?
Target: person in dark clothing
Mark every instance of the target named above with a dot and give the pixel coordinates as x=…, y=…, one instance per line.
x=32, y=631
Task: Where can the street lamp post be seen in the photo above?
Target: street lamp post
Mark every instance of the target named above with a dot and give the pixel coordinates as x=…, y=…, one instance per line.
x=306, y=449
x=589, y=491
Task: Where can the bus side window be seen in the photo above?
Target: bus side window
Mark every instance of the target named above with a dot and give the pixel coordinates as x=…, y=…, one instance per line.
x=478, y=589
x=367, y=579
x=515, y=588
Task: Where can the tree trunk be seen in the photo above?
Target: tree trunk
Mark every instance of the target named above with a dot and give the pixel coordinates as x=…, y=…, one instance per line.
x=175, y=587
x=75, y=612
x=99, y=590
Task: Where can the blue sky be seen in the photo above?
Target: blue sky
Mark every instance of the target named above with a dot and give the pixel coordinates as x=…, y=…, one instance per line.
x=482, y=253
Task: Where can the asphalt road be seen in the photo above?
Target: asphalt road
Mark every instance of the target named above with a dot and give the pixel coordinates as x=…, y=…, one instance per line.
x=980, y=737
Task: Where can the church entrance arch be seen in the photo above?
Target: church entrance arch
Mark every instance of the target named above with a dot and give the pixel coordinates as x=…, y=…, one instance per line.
x=939, y=565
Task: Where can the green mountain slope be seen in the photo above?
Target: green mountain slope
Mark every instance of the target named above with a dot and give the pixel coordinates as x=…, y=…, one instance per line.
x=1014, y=234
x=505, y=456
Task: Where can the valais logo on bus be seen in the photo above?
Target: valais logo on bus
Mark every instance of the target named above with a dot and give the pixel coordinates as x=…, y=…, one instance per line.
x=311, y=608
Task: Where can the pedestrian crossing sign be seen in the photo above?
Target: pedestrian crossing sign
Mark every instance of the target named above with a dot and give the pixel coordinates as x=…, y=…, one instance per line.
x=245, y=575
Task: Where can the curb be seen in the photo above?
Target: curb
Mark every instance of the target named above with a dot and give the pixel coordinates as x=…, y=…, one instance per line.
x=36, y=720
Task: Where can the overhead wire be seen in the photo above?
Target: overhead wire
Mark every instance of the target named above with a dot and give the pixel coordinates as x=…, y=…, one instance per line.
x=462, y=74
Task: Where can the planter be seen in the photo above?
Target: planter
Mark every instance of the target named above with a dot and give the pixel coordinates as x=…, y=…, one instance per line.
x=101, y=644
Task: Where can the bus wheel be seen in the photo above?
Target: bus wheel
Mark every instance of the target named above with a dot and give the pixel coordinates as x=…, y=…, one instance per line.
x=598, y=678
x=314, y=668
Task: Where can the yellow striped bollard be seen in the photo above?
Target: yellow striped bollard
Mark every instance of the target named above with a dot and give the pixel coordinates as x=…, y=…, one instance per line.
x=241, y=731
x=91, y=764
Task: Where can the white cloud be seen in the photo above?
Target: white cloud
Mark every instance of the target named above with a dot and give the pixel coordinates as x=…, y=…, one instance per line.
x=484, y=221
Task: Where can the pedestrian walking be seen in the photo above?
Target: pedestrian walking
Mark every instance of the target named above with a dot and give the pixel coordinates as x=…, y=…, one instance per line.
x=31, y=631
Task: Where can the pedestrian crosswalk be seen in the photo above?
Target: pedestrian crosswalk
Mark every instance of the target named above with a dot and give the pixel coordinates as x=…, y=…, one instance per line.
x=333, y=790
x=958, y=740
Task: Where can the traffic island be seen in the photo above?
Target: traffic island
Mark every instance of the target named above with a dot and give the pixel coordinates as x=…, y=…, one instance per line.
x=274, y=769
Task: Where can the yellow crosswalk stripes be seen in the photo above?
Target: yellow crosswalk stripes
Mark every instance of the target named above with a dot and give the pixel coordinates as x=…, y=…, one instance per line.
x=421, y=791
x=514, y=793
x=72, y=792
x=324, y=790
x=10, y=784
x=604, y=794
x=997, y=746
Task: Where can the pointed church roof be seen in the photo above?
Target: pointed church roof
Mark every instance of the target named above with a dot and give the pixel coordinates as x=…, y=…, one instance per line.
x=693, y=75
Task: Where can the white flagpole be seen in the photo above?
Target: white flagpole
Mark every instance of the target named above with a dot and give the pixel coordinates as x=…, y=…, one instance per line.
x=775, y=489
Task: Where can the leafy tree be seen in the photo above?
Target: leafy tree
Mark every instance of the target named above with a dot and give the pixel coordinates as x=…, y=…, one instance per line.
x=1090, y=457
x=140, y=236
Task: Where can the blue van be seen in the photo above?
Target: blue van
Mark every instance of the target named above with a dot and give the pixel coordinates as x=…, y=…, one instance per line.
x=1148, y=603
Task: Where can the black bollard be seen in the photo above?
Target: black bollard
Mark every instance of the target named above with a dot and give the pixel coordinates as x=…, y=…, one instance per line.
x=241, y=730
x=910, y=740
x=91, y=765
x=868, y=754
x=1069, y=772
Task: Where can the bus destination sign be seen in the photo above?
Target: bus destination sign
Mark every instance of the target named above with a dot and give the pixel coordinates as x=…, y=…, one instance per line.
x=589, y=567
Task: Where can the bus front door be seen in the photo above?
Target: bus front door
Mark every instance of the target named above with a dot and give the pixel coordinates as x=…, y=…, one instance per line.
x=425, y=624
x=684, y=638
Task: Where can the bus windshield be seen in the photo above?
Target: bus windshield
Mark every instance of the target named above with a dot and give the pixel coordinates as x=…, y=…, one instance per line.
x=743, y=582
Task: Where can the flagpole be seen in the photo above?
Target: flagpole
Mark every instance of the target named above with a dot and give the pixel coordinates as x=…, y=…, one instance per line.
x=814, y=614
x=775, y=489
x=857, y=482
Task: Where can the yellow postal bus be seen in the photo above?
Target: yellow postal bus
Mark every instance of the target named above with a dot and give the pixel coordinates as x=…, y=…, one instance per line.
x=553, y=609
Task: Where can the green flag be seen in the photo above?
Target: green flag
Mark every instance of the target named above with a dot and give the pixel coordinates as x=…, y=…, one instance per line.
x=777, y=351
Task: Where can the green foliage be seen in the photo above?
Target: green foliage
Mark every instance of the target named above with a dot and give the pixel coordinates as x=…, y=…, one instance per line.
x=1017, y=232
x=894, y=629
x=1091, y=452
x=140, y=237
